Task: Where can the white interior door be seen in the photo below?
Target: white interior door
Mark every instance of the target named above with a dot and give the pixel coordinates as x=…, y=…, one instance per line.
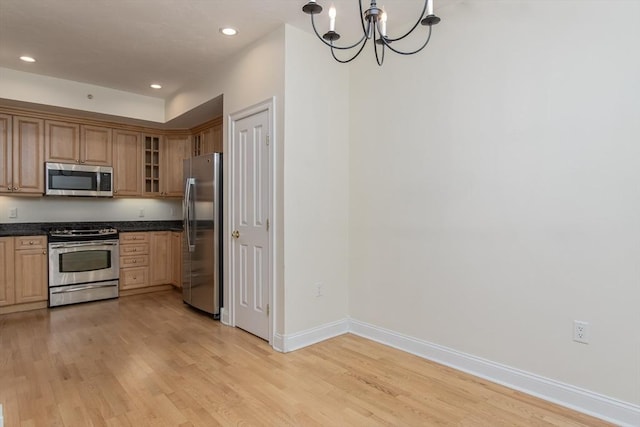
x=250, y=200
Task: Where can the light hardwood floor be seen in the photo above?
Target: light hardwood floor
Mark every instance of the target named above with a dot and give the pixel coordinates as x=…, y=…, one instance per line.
x=148, y=360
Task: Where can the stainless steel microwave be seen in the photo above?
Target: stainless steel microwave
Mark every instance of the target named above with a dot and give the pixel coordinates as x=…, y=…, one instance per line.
x=68, y=179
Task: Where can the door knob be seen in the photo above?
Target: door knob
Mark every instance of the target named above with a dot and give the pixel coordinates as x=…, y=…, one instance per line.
x=235, y=234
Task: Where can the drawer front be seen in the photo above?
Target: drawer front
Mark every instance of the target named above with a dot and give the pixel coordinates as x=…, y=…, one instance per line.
x=134, y=261
x=126, y=238
x=30, y=242
x=142, y=249
x=134, y=277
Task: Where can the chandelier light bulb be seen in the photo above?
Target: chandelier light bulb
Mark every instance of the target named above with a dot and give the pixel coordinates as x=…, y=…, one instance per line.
x=383, y=24
x=332, y=19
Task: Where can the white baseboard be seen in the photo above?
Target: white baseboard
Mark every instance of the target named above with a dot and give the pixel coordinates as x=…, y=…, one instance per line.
x=224, y=317
x=277, y=343
x=290, y=342
x=587, y=402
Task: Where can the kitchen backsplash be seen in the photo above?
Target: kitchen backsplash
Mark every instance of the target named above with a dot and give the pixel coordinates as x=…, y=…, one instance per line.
x=56, y=209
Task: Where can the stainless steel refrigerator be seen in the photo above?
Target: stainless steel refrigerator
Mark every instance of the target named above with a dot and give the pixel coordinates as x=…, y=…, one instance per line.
x=202, y=244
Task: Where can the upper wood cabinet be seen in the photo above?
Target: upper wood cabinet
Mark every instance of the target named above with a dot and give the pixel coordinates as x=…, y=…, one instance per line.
x=152, y=167
x=6, y=158
x=163, y=164
x=127, y=163
x=22, y=153
x=62, y=142
x=146, y=162
x=175, y=151
x=95, y=145
x=73, y=143
x=207, y=140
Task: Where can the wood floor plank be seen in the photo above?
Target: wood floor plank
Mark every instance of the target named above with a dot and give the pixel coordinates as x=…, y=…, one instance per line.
x=149, y=360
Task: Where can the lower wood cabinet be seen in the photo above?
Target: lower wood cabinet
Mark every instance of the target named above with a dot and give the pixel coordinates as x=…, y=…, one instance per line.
x=160, y=256
x=150, y=258
x=134, y=260
x=176, y=258
x=7, y=292
x=23, y=277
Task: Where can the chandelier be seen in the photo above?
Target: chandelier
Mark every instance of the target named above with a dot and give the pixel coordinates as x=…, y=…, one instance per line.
x=374, y=27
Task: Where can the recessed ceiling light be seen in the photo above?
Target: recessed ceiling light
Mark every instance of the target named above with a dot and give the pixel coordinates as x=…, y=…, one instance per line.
x=228, y=31
x=27, y=59
x=156, y=86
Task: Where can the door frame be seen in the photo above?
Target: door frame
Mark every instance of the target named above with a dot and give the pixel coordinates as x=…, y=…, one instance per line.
x=267, y=105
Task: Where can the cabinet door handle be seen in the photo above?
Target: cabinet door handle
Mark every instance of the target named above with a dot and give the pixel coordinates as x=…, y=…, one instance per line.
x=15, y=188
x=31, y=242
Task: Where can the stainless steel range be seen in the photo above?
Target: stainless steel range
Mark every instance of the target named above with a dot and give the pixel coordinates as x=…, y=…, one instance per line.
x=84, y=264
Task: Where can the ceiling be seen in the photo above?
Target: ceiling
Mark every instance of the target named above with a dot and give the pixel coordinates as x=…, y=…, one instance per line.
x=129, y=44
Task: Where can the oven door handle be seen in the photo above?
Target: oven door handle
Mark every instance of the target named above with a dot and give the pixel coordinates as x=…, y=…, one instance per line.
x=84, y=288
x=81, y=245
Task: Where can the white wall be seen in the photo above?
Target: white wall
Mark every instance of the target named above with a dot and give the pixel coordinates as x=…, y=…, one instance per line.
x=69, y=209
x=27, y=87
x=494, y=192
x=316, y=194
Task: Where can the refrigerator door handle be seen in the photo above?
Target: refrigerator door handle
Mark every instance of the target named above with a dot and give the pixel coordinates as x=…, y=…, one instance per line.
x=187, y=212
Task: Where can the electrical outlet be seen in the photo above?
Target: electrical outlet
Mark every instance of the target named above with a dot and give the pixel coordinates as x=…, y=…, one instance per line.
x=141, y=213
x=319, y=290
x=13, y=213
x=581, y=331
x=173, y=212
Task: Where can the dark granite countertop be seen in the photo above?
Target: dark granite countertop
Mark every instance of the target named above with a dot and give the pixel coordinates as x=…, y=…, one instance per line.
x=37, y=228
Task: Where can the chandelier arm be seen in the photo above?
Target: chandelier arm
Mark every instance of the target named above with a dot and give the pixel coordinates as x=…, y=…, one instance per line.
x=313, y=24
x=424, y=9
x=409, y=53
x=379, y=60
x=344, y=61
x=364, y=30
